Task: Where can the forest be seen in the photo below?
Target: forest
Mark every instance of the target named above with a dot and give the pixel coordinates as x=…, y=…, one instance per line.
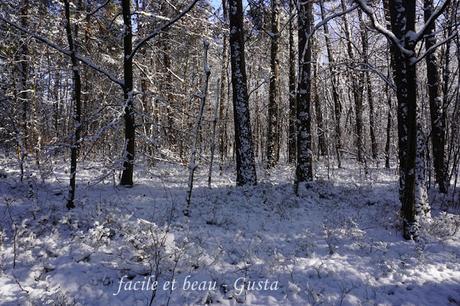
x=229, y=152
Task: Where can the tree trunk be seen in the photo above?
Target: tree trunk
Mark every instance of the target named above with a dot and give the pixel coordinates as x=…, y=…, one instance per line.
x=223, y=92
x=322, y=144
x=357, y=89
x=304, y=170
x=406, y=83
x=23, y=92
x=434, y=92
x=213, y=129
x=386, y=12
x=245, y=164
x=335, y=92
x=128, y=155
x=75, y=146
x=388, y=129
x=370, y=97
x=197, y=129
x=292, y=94
x=273, y=138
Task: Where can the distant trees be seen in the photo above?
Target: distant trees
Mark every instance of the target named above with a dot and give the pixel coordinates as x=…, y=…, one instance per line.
x=126, y=83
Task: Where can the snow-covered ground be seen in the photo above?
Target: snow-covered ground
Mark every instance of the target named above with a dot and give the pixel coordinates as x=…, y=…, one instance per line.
x=337, y=243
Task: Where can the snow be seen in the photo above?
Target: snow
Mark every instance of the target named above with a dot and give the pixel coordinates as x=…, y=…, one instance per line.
x=338, y=242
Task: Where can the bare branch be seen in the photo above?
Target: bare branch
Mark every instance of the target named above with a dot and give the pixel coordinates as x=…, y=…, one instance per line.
x=383, y=30
x=161, y=29
x=84, y=60
x=94, y=11
x=434, y=47
x=430, y=21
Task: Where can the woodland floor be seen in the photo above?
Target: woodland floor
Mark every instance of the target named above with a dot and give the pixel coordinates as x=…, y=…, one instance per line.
x=337, y=243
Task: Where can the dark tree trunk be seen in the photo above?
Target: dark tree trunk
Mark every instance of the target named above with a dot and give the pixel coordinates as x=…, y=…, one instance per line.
x=245, y=164
x=128, y=152
x=75, y=146
x=434, y=92
x=292, y=94
x=406, y=83
x=304, y=169
x=273, y=138
x=335, y=92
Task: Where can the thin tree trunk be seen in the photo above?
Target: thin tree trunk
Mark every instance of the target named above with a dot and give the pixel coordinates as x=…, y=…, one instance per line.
x=245, y=163
x=388, y=129
x=273, y=138
x=213, y=137
x=335, y=92
x=438, y=136
x=322, y=144
x=357, y=89
x=196, y=132
x=292, y=84
x=223, y=92
x=77, y=107
x=128, y=155
x=304, y=169
x=370, y=94
x=22, y=91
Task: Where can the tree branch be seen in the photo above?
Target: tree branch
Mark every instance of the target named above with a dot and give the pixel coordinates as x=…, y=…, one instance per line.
x=156, y=32
x=383, y=30
x=434, y=47
x=84, y=60
x=94, y=11
x=438, y=11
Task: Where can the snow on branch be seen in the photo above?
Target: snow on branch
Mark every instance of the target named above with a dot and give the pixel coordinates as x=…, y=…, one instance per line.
x=437, y=12
x=383, y=30
x=156, y=32
x=434, y=47
x=84, y=60
x=329, y=18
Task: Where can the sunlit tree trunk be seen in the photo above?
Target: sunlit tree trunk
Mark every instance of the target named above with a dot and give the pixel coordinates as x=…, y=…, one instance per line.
x=245, y=163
